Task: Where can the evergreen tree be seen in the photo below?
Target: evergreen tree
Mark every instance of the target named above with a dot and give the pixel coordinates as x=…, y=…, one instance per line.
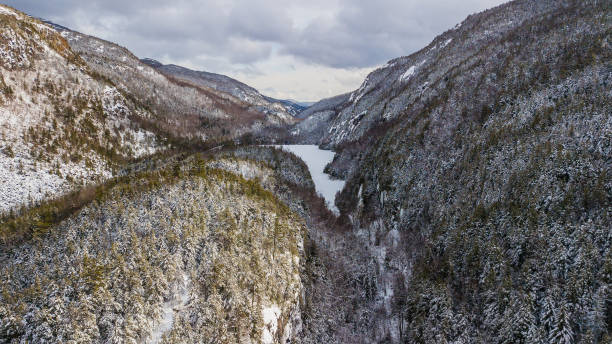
x=562, y=332
x=548, y=314
x=597, y=315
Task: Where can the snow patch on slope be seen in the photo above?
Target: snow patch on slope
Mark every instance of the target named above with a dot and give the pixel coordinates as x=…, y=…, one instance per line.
x=7, y=11
x=357, y=95
x=270, y=317
x=411, y=71
x=169, y=311
x=23, y=183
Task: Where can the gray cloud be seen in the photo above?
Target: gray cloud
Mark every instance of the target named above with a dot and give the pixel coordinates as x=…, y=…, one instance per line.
x=231, y=36
x=361, y=33
x=258, y=21
x=366, y=33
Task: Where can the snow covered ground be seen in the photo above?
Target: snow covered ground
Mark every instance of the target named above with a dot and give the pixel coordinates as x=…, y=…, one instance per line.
x=270, y=317
x=169, y=311
x=37, y=140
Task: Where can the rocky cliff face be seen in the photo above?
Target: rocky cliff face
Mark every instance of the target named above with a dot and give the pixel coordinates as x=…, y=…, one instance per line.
x=60, y=125
x=479, y=182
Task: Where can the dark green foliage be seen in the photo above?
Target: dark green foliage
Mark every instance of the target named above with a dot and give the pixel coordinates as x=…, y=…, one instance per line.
x=490, y=190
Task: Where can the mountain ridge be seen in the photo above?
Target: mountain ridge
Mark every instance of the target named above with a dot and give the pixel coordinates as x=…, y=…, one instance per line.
x=470, y=188
x=184, y=111
x=228, y=85
x=476, y=207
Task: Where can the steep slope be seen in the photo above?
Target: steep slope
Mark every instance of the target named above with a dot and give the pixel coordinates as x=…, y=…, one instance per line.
x=294, y=106
x=189, y=253
x=316, y=119
x=280, y=108
x=480, y=183
x=464, y=54
x=60, y=125
x=181, y=109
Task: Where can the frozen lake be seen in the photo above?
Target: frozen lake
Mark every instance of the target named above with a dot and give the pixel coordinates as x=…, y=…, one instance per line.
x=316, y=159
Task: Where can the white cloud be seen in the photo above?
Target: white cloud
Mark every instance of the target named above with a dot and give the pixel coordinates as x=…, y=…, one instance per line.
x=289, y=78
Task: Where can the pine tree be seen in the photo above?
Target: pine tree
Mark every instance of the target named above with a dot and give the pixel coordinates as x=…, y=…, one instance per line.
x=596, y=318
x=536, y=335
x=548, y=314
x=562, y=332
x=517, y=321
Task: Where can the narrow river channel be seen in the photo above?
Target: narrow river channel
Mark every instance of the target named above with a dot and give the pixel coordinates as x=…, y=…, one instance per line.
x=316, y=159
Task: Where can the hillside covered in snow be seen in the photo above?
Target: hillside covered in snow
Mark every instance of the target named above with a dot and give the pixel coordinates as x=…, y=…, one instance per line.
x=61, y=126
x=143, y=203
x=197, y=251
x=186, y=106
x=479, y=182
x=282, y=109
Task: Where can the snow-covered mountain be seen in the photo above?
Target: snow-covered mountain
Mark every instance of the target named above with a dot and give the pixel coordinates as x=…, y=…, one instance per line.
x=225, y=84
x=61, y=125
x=198, y=250
x=317, y=118
x=479, y=183
x=182, y=109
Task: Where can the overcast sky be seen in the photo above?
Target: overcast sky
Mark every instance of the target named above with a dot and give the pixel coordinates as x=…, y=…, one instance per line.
x=304, y=50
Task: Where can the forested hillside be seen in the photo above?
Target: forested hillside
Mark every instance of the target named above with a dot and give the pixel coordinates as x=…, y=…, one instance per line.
x=480, y=182
x=187, y=253
x=61, y=125
x=75, y=109
x=182, y=110
x=136, y=207
x=282, y=111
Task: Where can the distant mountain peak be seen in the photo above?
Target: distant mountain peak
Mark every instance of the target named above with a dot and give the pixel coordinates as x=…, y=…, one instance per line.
x=151, y=62
x=226, y=84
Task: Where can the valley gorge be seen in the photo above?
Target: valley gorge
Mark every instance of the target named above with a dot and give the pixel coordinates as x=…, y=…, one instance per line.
x=466, y=195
